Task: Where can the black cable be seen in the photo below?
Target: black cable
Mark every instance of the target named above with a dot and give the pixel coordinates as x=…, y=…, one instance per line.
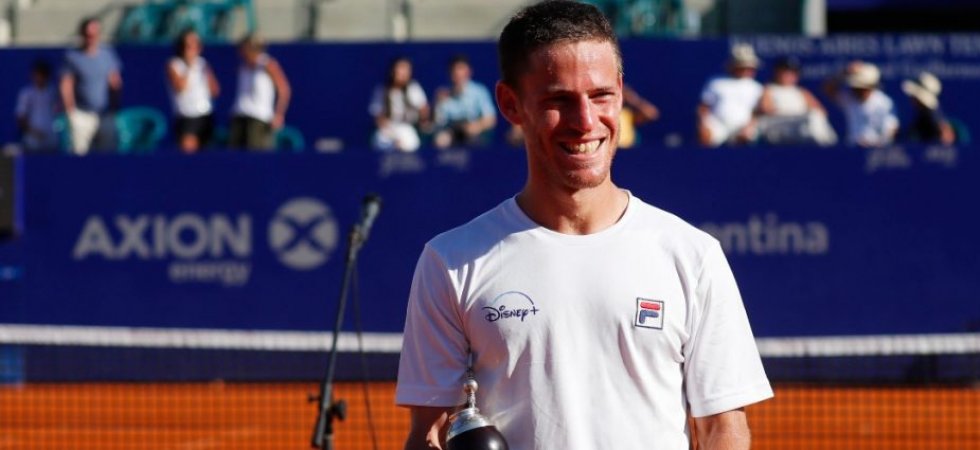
x=356, y=303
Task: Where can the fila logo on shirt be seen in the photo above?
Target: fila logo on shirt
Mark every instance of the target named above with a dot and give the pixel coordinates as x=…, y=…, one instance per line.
x=649, y=313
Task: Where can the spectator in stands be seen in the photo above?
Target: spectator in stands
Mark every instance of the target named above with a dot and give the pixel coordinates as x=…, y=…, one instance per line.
x=90, y=88
x=465, y=113
x=725, y=114
x=870, y=115
x=636, y=111
x=37, y=104
x=790, y=113
x=400, y=109
x=929, y=123
x=261, y=100
x=192, y=86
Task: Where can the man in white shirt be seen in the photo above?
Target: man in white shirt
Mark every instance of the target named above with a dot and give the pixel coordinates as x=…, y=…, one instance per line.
x=725, y=114
x=871, y=120
x=590, y=319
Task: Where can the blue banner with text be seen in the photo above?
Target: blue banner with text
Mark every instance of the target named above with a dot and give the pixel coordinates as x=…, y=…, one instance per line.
x=822, y=242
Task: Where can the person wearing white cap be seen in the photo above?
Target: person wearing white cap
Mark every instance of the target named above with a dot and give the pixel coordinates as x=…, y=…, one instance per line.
x=929, y=123
x=871, y=120
x=725, y=114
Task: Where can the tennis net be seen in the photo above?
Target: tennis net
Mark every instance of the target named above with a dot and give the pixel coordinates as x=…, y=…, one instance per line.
x=123, y=388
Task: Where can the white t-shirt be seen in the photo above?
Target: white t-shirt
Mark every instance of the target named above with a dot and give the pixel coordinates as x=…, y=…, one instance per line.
x=602, y=341
x=404, y=104
x=256, y=96
x=732, y=100
x=37, y=106
x=787, y=100
x=195, y=99
x=872, y=122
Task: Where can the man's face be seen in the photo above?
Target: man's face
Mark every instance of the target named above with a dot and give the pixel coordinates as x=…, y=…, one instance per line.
x=39, y=78
x=459, y=73
x=862, y=94
x=90, y=34
x=743, y=72
x=568, y=103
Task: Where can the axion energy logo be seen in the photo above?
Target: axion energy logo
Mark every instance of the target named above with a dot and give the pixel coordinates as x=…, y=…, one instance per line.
x=210, y=247
x=303, y=234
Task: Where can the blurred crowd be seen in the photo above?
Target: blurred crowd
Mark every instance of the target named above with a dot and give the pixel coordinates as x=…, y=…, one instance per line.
x=736, y=109
x=85, y=95
x=75, y=106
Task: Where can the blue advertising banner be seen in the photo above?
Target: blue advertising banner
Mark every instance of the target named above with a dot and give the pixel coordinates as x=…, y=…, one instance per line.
x=831, y=242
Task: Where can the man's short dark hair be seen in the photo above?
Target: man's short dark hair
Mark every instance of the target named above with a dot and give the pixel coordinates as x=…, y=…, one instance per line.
x=41, y=67
x=459, y=58
x=548, y=23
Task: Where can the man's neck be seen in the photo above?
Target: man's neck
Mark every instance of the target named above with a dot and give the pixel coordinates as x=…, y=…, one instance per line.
x=579, y=212
x=459, y=87
x=90, y=49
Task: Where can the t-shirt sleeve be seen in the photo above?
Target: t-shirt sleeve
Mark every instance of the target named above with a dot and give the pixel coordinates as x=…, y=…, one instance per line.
x=68, y=65
x=891, y=120
x=114, y=64
x=416, y=96
x=376, y=106
x=434, y=351
x=487, y=107
x=20, y=110
x=722, y=369
x=709, y=95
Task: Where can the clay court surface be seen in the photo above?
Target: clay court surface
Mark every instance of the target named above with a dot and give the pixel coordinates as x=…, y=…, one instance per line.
x=272, y=416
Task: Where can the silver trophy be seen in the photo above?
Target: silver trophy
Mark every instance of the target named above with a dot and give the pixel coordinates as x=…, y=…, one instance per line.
x=469, y=430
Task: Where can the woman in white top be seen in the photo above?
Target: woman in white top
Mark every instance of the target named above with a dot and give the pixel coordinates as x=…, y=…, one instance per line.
x=399, y=108
x=192, y=86
x=261, y=100
x=784, y=96
x=790, y=113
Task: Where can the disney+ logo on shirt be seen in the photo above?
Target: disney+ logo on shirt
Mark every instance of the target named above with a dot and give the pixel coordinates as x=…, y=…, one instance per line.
x=510, y=305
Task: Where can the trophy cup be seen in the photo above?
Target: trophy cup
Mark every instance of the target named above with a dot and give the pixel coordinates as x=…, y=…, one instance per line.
x=469, y=430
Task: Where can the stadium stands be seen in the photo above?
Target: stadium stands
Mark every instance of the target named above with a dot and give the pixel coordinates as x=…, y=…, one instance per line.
x=52, y=22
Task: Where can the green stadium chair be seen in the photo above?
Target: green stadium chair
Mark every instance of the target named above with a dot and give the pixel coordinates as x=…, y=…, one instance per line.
x=643, y=17
x=145, y=23
x=161, y=21
x=60, y=126
x=219, y=138
x=962, y=132
x=289, y=139
x=140, y=129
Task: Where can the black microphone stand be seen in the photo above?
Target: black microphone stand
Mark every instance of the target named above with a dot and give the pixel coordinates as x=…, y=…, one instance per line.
x=329, y=409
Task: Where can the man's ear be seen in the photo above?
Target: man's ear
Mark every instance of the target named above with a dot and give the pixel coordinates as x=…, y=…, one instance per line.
x=507, y=101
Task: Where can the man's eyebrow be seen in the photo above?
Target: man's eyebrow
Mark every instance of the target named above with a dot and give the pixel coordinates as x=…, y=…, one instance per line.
x=558, y=89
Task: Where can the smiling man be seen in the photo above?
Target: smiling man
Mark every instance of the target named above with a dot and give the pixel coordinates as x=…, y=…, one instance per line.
x=591, y=319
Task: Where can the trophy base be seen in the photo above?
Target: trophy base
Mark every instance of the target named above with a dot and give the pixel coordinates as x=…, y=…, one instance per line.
x=483, y=438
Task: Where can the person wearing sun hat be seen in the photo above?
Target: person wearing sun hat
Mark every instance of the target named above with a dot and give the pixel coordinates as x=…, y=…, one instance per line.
x=871, y=120
x=929, y=124
x=725, y=114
